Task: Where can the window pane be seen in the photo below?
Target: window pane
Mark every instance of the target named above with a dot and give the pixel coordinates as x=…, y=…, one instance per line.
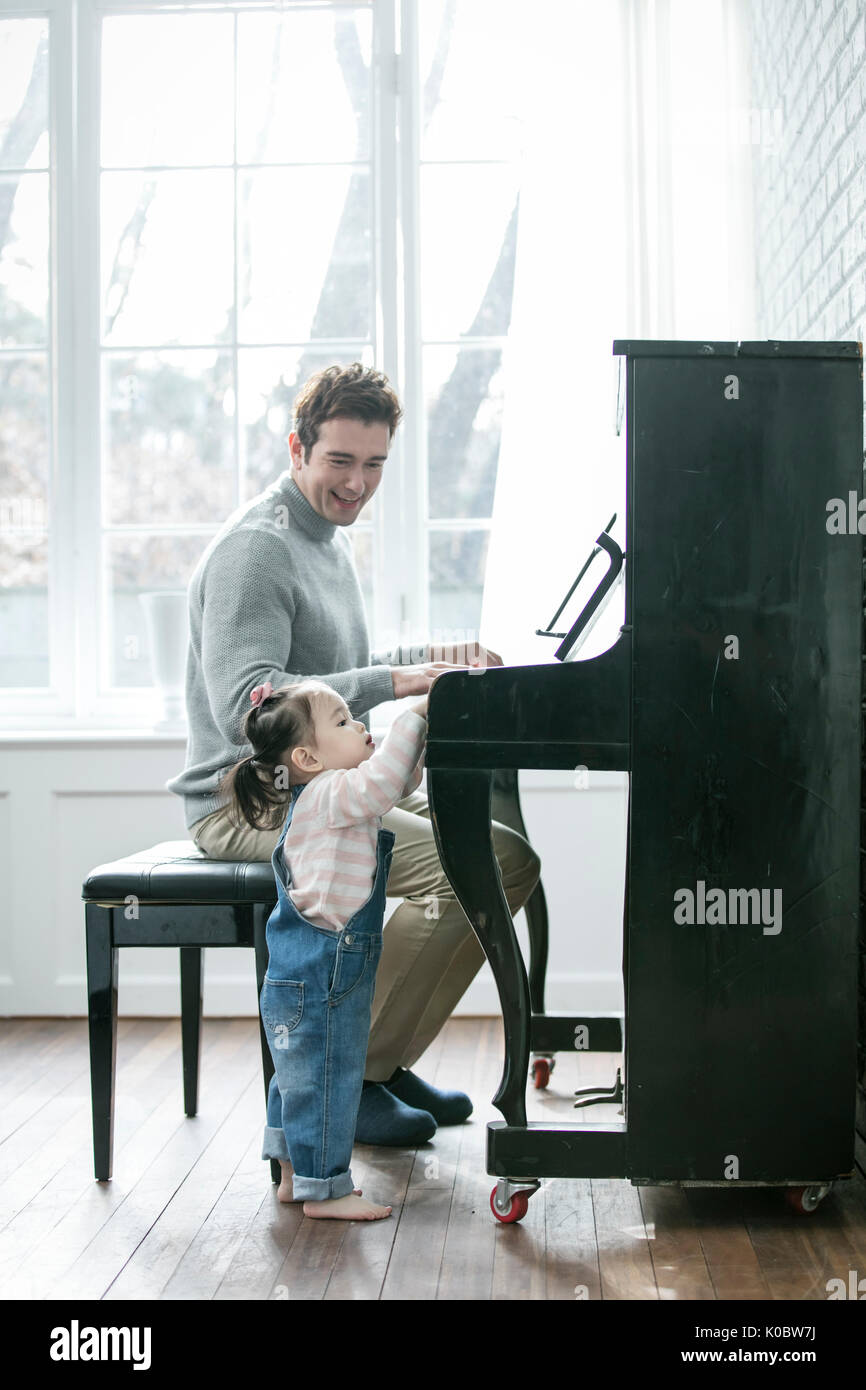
x=457, y=562
x=25, y=391
x=167, y=89
x=169, y=437
x=463, y=390
x=304, y=87
x=305, y=255
x=167, y=248
x=24, y=440
x=140, y=564
x=469, y=59
x=269, y=381
x=23, y=94
x=468, y=233
x=25, y=471
x=23, y=609
x=24, y=259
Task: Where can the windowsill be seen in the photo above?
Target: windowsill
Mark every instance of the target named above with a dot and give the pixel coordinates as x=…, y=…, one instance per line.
x=531, y=779
x=32, y=738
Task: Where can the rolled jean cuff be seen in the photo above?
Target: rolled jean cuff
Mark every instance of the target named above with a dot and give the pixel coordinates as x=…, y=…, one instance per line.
x=274, y=1143
x=320, y=1189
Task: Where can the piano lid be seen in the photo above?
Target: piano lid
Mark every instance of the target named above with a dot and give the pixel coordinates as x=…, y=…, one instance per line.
x=658, y=347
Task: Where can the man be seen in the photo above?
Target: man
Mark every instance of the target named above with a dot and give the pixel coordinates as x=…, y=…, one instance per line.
x=275, y=597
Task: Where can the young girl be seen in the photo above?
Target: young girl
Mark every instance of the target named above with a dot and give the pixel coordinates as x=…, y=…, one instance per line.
x=324, y=935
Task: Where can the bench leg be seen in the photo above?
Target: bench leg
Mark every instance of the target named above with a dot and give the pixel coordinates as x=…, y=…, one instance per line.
x=260, y=922
x=102, y=1026
x=191, y=991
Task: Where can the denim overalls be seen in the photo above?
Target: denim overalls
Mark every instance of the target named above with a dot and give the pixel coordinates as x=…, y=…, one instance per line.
x=315, y=1004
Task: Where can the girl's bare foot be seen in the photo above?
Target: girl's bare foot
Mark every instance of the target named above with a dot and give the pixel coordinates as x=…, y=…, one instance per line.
x=354, y=1207
x=284, y=1191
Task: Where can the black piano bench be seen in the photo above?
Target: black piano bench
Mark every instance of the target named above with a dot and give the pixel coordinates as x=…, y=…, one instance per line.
x=169, y=895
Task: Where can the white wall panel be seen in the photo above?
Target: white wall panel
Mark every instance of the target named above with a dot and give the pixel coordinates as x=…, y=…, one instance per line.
x=69, y=803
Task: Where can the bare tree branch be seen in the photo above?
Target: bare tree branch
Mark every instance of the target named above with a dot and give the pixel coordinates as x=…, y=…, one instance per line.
x=261, y=144
x=23, y=133
x=433, y=84
x=127, y=252
x=355, y=72
x=342, y=310
x=452, y=417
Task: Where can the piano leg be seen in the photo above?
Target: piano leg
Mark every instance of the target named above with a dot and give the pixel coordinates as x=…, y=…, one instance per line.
x=460, y=812
x=505, y=807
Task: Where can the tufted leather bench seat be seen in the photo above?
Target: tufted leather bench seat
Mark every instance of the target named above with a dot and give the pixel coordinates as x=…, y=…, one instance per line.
x=169, y=895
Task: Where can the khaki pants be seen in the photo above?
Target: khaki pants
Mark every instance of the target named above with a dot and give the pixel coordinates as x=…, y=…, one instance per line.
x=430, y=954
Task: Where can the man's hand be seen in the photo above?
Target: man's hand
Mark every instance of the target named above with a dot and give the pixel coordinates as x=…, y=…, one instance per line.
x=464, y=654
x=417, y=680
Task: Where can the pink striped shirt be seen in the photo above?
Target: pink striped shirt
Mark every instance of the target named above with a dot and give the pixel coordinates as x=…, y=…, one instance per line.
x=330, y=846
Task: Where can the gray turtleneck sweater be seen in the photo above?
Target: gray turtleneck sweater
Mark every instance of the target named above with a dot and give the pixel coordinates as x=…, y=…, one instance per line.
x=274, y=597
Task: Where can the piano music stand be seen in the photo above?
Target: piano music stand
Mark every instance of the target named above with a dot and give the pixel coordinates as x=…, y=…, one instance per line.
x=594, y=606
x=732, y=697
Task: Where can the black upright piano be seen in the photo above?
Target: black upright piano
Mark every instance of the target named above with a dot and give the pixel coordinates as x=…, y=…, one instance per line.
x=732, y=698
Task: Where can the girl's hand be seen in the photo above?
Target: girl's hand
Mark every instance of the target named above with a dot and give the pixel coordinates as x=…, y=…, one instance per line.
x=420, y=706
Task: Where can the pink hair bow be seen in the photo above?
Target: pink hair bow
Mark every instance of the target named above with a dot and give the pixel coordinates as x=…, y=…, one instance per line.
x=261, y=693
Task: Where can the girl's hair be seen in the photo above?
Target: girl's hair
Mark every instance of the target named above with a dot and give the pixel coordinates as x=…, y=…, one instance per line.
x=258, y=787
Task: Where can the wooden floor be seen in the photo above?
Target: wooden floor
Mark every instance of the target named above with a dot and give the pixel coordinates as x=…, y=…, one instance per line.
x=191, y=1213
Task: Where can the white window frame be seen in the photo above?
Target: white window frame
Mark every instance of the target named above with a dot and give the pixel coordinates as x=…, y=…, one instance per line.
x=40, y=707
x=401, y=537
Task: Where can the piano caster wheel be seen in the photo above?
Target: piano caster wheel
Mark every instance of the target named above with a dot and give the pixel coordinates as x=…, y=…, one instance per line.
x=517, y=1208
x=805, y=1200
x=510, y=1201
x=540, y=1071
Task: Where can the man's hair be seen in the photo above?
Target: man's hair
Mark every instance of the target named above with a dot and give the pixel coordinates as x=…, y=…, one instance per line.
x=349, y=393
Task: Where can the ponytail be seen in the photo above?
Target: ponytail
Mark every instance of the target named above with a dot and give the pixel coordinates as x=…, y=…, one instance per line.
x=254, y=796
x=258, y=787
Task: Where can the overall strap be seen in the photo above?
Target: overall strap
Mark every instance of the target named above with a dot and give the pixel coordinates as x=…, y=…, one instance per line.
x=294, y=793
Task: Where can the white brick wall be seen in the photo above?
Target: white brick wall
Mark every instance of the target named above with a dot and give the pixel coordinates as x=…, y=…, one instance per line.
x=809, y=64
